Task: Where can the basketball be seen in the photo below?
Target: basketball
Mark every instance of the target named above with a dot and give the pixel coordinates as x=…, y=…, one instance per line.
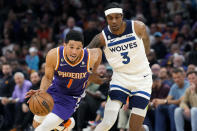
x=41, y=103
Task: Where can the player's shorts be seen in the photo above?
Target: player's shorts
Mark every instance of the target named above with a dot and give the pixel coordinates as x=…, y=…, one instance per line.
x=64, y=105
x=137, y=87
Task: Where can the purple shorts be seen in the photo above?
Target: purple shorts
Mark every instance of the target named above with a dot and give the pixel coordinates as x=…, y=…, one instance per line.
x=64, y=105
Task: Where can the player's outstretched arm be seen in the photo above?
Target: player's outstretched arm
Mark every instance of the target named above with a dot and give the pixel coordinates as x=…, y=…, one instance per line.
x=51, y=60
x=97, y=42
x=96, y=57
x=140, y=29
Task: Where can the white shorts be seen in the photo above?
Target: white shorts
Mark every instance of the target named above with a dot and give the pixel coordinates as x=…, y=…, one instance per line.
x=137, y=88
x=132, y=85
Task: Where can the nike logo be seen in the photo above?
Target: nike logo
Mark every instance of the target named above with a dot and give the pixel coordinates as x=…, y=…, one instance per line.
x=146, y=75
x=63, y=64
x=112, y=40
x=128, y=35
x=83, y=66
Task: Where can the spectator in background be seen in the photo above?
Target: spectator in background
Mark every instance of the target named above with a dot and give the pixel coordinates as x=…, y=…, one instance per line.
x=90, y=32
x=191, y=67
x=188, y=107
x=35, y=80
x=185, y=31
x=169, y=34
x=27, y=114
x=159, y=91
x=159, y=47
x=6, y=89
x=7, y=46
x=178, y=22
x=42, y=69
x=192, y=55
x=19, y=8
x=152, y=57
x=7, y=81
x=10, y=55
x=178, y=61
x=44, y=31
x=183, y=45
x=32, y=59
x=153, y=29
x=71, y=26
x=165, y=77
x=26, y=33
x=169, y=56
x=18, y=96
x=155, y=69
x=165, y=107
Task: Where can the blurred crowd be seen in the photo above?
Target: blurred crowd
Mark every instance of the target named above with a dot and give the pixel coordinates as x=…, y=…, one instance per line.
x=29, y=29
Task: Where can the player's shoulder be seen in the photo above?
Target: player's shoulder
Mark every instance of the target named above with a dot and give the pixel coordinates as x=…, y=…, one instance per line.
x=52, y=55
x=138, y=23
x=139, y=27
x=52, y=52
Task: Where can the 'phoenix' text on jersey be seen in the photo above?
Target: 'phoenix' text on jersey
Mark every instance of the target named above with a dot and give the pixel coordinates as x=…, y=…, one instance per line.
x=72, y=75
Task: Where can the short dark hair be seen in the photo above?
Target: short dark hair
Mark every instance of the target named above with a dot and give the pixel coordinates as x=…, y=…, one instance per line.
x=177, y=70
x=192, y=72
x=6, y=63
x=74, y=35
x=112, y=5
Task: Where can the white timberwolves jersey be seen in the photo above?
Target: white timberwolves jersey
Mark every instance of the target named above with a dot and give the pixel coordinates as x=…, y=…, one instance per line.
x=125, y=52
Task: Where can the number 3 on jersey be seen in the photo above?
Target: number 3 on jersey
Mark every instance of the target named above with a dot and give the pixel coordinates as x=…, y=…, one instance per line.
x=125, y=57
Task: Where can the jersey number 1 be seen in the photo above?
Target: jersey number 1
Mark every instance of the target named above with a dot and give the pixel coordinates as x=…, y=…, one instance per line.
x=70, y=83
x=125, y=57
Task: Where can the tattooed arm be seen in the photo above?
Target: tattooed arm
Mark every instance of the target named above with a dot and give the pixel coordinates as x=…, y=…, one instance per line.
x=97, y=42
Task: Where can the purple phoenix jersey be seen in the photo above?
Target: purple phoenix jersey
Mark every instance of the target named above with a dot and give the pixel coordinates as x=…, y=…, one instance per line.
x=69, y=83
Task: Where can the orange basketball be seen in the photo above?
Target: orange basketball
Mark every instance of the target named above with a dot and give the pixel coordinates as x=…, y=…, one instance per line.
x=41, y=103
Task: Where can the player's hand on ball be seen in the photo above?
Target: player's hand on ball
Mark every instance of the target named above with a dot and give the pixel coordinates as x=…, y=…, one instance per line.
x=31, y=93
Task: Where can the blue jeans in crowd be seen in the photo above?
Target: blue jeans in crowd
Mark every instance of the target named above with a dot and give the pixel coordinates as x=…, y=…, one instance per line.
x=162, y=114
x=180, y=117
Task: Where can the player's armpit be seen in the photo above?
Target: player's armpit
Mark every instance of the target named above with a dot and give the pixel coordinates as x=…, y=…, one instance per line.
x=97, y=41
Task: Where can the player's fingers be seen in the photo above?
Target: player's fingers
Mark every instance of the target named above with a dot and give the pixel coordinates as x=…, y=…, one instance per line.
x=28, y=101
x=30, y=93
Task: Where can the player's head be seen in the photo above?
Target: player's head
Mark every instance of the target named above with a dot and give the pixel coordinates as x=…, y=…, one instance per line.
x=74, y=45
x=114, y=16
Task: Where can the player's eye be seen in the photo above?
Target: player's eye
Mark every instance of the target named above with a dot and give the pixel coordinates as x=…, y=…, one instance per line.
x=110, y=18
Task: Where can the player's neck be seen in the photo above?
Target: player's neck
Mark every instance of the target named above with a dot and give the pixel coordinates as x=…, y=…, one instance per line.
x=74, y=62
x=121, y=30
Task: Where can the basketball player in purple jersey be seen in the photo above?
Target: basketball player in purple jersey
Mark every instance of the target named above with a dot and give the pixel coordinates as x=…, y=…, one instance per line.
x=68, y=68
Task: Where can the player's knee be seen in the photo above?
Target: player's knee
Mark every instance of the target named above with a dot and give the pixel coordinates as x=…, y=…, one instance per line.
x=35, y=124
x=72, y=123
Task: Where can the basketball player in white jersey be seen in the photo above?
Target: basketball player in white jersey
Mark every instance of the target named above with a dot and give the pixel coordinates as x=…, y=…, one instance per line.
x=126, y=46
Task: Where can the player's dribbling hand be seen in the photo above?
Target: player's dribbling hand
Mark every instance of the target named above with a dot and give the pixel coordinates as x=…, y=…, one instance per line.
x=31, y=93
